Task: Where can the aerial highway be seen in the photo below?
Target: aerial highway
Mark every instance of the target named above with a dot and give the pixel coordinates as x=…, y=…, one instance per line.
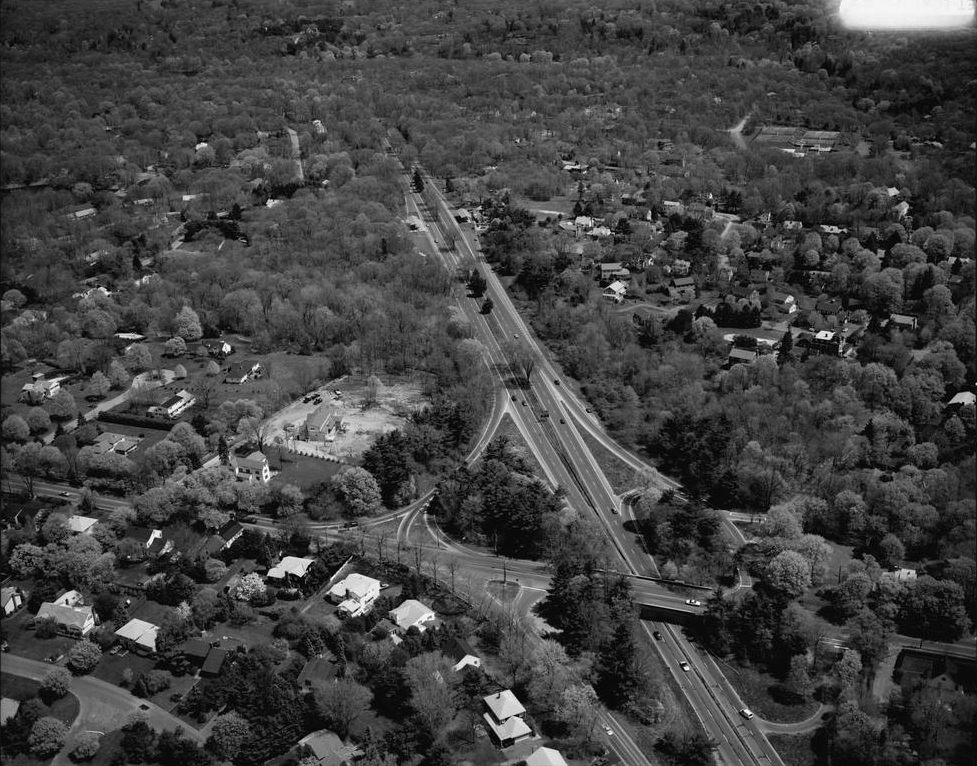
x=560, y=447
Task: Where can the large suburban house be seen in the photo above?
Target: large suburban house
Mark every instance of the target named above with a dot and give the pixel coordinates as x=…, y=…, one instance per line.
x=323, y=424
x=411, y=614
x=503, y=718
x=463, y=655
x=253, y=467
x=355, y=594
x=40, y=388
x=112, y=442
x=290, y=567
x=613, y=271
x=240, y=373
x=139, y=636
x=71, y=619
x=174, y=406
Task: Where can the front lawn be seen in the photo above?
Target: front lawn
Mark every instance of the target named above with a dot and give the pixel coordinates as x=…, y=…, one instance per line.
x=21, y=689
x=304, y=472
x=795, y=749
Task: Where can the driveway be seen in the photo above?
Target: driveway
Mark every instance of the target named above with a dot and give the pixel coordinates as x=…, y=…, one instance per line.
x=103, y=707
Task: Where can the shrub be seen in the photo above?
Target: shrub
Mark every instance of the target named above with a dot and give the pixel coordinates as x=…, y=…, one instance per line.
x=84, y=656
x=47, y=736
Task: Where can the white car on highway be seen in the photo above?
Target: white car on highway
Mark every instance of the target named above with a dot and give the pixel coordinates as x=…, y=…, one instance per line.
x=693, y=602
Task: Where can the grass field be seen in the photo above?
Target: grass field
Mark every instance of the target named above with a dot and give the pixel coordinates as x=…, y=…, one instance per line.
x=759, y=690
x=795, y=749
x=21, y=689
x=620, y=475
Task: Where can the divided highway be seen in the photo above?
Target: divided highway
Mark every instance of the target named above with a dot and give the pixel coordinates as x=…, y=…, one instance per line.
x=567, y=459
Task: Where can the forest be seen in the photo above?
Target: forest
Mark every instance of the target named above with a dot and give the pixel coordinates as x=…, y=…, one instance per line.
x=180, y=170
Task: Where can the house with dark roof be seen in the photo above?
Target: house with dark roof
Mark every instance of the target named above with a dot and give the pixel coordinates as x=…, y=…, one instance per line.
x=214, y=662
x=741, y=356
x=195, y=650
x=240, y=373
x=151, y=540
x=463, y=655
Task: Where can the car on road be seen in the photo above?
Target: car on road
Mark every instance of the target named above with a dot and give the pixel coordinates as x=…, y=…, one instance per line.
x=615, y=511
x=64, y=494
x=306, y=399
x=589, y=410
x=562, y=421
x=515, y=335
x=658, y=636
x=350, y=524
x=746, y=713
x=337, y=392
x=607, y=730
x=513, y=397
x=556, y=381
x=692, y=602
x=685, y=666
x=524, y=403
x=384, y=585
x=247, y=519
x=144, y=706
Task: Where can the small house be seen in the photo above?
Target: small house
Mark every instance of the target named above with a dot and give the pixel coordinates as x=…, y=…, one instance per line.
x=81, y=525
x=546, y=756
x=328, y=749
x=11, y=599
x=741, y=356
x=323, y=424
x=240, y=373
x=903, y=321
x=463, y=655
x=195, y=650
x=411, y=614
x=219, y=349
x=227, y=535
x=290, y=568
x=139, y=636
x=214, y=662
x=963, y=399
x=151, y=540
x=613, y=271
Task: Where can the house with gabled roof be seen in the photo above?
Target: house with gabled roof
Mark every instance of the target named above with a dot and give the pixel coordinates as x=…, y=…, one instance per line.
x=81, y=525
x=71, y=621
x=251, y=467
x=11, y=599
x=241, y=372
x=290, y=567
x=355, y=594
x=411, y=614
x=546, y=756
x=463, y=655
x=504, y=718
x=139, y=636
x=174, y=406
x=615, y=291
x=323, y=423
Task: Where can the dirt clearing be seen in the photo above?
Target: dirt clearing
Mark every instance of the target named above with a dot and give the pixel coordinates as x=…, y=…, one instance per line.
x=365, y=408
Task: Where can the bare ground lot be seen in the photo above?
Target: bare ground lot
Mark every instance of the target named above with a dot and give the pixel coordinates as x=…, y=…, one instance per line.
x=394, y=400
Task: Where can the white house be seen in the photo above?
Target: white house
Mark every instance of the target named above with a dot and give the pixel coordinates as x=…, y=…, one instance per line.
x=463, y=655
x=10, y=600
x=139, y=635
x=240, y=373
x=615, y=291
x=174, y=406
x=546, y=756
x=72, y=621
x=411, y=614
x=40, y=388
x=323, y=424
x=290, y=566
x=253, y=467
x=355, y=594
x=81, y=525
x=503, y=718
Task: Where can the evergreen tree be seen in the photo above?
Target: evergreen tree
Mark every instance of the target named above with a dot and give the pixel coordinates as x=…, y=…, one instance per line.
x=621, y=675
x=785, y=355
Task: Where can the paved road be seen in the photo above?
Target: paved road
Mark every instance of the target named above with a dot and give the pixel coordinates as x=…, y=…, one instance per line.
x=103, y=707
x=558, y=439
